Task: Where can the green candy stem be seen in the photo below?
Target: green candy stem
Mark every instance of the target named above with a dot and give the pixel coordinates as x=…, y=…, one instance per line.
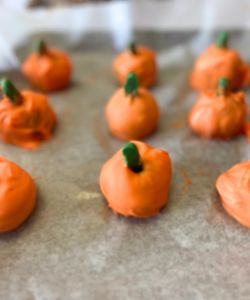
x=42, y=47
x=10, y=91
x=132, y=47
x=132, y=157
x=222, y=39
x=223, y=85
x=131, y=84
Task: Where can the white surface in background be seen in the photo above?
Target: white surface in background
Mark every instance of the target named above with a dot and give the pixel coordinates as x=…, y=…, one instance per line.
x=15, y=4
x=18, y=22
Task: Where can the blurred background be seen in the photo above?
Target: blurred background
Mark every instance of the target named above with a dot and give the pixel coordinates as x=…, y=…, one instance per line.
x=35, y=3
x=79, y=20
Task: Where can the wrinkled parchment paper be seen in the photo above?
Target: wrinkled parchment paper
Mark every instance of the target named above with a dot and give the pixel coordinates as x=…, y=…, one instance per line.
x=73, y=246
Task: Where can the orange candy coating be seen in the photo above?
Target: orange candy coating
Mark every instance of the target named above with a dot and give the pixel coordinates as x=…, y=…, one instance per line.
x=132, y=117
x=221, y=117
x=138, y=194
x=50, y=71
x=234, y=189
x=27, y=124
x=218, y=62
x=143, y=64
x=17, y=195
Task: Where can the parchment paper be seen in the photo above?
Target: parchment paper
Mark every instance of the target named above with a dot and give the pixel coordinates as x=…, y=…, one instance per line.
x=74, y=247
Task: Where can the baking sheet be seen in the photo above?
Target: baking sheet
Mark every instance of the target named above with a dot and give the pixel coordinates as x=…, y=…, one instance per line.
x=74, y=247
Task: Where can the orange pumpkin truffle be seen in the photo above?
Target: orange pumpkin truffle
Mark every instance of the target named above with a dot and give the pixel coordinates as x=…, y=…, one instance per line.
x=233, y=187
x=135, y=181
x=17, y=195
x=216, y=62
x=219, y=115
x=132, y=112
x=48, y=69
x=26, y=118
x=139, y=60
